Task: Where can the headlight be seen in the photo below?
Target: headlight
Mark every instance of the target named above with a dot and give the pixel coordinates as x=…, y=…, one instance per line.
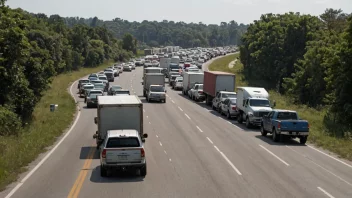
x=250, y=114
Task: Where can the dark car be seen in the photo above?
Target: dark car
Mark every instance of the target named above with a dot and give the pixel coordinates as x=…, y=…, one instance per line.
x=113, y=88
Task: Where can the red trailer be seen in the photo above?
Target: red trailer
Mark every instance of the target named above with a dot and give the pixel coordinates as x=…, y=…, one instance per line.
x=215, y=81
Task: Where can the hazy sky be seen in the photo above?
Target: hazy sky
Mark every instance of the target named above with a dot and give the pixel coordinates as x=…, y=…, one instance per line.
x=206, y=11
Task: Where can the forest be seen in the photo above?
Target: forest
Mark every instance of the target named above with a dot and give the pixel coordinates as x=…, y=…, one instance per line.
x=154, y=34
x=307, y=58
x=34, y=48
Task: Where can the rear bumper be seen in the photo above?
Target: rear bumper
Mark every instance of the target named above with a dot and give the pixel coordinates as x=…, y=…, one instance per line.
x=123, y=166
x=293, y=133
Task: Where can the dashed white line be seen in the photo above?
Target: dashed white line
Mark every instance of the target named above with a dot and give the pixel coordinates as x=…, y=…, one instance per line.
x=229, y=122
x=150, y=123
x=187, y=116
x=237, y=127
x=326, y=193
x=173, y=101
x=330, y=156
x=199, y=129
x=144, y=110
x=160, y=143
x=180, y=109
x=157, y=136
x=210, y=140
x=170, y=159
x=217, y=148
x=165, y=152
x=147, y=116
x=134, y=92
x=274, y=155
x=231, y=164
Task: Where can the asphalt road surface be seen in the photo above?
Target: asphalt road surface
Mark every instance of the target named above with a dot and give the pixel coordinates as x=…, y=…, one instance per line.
x=191, y=151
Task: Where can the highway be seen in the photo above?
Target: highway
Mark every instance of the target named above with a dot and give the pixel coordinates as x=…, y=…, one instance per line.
x=191, y=151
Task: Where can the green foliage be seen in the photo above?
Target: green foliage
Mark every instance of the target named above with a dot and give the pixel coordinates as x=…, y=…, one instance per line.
x=307, y=58
x=129, y=43
x=34, y=48
x=154, y=33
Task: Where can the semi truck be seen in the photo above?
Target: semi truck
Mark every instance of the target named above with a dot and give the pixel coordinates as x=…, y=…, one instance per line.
x=191, y=78
x=216, y=81
x=253, y=103
x=118, y=113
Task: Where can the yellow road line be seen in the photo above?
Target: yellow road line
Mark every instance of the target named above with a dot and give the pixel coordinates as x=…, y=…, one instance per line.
x=76, y=188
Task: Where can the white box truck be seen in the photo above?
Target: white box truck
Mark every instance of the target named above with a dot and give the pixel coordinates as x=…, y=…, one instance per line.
x=152, y=79
x=118, y=113
x=253, y=103
x=164, y=64
x=191, y=78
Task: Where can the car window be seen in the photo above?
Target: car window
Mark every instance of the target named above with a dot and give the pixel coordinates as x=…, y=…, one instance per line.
x=122, y=142
x=287, y=116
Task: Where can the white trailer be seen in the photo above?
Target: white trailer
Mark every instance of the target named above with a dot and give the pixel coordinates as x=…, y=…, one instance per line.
x=118, y=113
x=253, y=103
x=191, y=78
x=152, y=79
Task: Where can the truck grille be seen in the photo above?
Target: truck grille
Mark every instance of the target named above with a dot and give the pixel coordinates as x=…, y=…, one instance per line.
x=260, y=113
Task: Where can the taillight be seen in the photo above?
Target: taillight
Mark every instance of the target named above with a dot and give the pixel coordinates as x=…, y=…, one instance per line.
x=200, y=92
x=142, y=152
x=234, y=108
x=103, y=154
x=279, y=125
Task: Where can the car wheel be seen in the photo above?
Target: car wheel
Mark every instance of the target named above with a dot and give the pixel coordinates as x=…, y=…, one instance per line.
x=276, y=136
x=212, y=106
x=228, y=115
x=143, y=171
x=303, y=139
x=103, y=171
x=263, y=131
x=248, y=124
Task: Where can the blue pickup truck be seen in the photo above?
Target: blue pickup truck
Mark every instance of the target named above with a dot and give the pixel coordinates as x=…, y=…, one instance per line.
x=285, y=122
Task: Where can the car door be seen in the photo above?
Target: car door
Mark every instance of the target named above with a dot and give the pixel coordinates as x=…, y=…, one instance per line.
x=268, y=121
x=217, y=99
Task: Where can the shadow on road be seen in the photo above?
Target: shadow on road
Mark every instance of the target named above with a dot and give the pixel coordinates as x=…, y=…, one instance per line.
x=85, y=150
x=115, y=177
x=285, y=141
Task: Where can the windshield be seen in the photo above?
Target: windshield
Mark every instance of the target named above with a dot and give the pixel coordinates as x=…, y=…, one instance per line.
x=100, y=86
x=233, y=101
x=287, y=116
x=122, y=142
x=122, y=92
x=229, y=95
x=200, y=87
x=94, y=96
x=157, y=89
x=88, y=87
x=102, y=78
x=259, y=103
x=174, y=66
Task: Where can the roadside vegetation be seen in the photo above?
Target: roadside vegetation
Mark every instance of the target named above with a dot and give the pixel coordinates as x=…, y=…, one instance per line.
x=39, y=57
x=312, y=79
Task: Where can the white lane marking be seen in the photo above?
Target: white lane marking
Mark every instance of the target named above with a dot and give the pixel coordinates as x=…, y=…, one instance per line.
x=157, y=136
x=320, y=166
x=50, y=153
x=147, y=116
x=229, y=122
x=199, y=129
x=167, y=95
x=165, y=152
x=180, y=109
x=210, y=140
x=150, y=123
x=144, y=110
x=217, y=148
x=331, y=156
x=274, y=155
x=170, y=159
x=134, y=92
x=326, y=193
x=173, y=101
x=237, y=127
x=187, y=116
x=231, y=164
x=160, y=143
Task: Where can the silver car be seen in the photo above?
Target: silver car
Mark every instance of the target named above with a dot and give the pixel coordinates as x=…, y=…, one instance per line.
x=229, y=108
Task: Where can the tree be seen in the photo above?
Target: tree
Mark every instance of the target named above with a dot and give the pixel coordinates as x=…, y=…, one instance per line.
x=129, y=43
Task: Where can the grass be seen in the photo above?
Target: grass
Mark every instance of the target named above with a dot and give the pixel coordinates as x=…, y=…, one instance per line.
x=17, y=152
x=140, y=53
x=320, y=134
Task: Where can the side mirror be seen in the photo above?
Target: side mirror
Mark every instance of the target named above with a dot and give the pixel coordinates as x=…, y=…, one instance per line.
x=165, y=91
x=145, y=135
x=95, y=136
x=96, y=120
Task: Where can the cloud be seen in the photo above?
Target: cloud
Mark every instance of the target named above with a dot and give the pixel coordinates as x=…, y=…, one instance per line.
x=321, y=1
x=242, y=2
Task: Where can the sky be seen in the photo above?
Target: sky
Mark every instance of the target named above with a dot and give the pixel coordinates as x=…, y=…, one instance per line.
x=205, y=11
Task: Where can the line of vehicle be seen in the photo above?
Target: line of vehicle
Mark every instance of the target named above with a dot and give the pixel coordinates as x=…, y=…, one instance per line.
x=281, y=160
x=326, y=193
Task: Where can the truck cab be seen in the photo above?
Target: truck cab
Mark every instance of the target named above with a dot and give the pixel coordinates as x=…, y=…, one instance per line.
x=156, y=93
x=221, y=96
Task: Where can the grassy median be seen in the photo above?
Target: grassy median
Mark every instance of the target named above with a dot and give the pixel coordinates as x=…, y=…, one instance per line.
x=319, y=133
x=17, y=152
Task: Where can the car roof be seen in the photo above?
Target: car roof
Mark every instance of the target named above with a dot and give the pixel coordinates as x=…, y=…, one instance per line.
x=122, y=132
x=88, y=85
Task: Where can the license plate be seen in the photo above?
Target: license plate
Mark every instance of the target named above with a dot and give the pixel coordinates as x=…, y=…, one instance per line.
x=122, y=157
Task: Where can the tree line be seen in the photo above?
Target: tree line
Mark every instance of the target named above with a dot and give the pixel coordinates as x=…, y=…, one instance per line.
x=164, y=33
x=34, y=48
x=306, y=57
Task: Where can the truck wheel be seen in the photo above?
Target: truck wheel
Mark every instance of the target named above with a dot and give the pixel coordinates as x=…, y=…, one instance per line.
x=164, y=101
x=303, y=139
x=103, y=171
x=248, y=124
x=240, y=118
x=276, y=137
x=143, y=171
x=262, y=130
